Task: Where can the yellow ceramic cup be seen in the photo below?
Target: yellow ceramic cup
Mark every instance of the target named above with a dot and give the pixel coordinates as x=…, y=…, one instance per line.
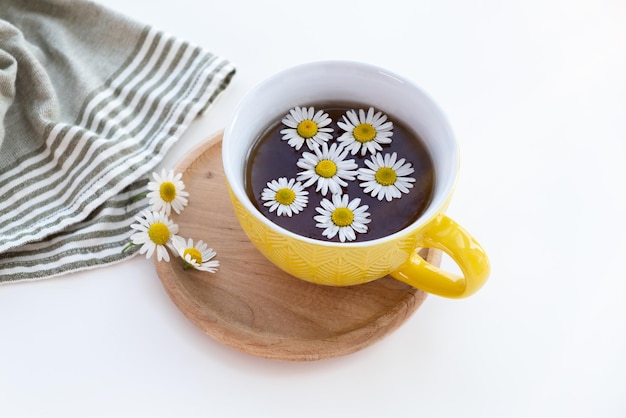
x=353, y=263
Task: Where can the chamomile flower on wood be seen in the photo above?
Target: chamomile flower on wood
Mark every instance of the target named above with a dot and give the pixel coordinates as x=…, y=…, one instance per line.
x=306, y=125
x=198, y=256
x=154, y=232
x=167, y=192
x=386, y=176
x=328, y=168
x=342, y=216
x=286, y=197
x=365, y=132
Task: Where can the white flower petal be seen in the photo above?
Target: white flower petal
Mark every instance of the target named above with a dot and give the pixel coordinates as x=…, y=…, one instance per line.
x=378, y=120
x=345, y=232
x=346, y=169
x=402, y=182
x=145, y=220
x=354, y=119
x=295, y=117
x=148, y=248
x=178, y=201
x=268, y=195
x=207, y=263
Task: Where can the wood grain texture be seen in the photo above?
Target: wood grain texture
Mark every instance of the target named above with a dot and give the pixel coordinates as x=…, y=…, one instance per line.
x=253, y=306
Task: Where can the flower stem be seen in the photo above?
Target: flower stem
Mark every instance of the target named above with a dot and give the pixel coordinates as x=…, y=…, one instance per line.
x=129, y=245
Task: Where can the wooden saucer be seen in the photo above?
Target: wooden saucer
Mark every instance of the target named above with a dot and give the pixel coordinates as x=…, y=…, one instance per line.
x=253, y=306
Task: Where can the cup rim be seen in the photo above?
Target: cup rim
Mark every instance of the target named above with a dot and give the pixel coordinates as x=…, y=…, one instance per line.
x=434, y=208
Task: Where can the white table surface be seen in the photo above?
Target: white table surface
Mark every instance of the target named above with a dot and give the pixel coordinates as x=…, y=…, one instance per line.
x=536, y=93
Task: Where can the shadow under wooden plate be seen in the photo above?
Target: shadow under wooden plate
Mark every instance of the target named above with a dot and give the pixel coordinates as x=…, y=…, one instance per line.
x=253, y=306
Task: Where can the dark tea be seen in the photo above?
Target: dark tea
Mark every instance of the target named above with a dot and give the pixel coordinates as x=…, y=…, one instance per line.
x=340, y=173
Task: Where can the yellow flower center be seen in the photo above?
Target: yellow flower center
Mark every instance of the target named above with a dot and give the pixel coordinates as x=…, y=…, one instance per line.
x=342, y=217
x=194, y=254
x=307, y=129
x=167, y=191
x=159, y=233
x=285, y=196
x=326, y=168
x=386, y=176
x=364, y=132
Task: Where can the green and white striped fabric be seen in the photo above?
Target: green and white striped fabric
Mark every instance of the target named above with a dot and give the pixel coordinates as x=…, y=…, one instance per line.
x=90, y=102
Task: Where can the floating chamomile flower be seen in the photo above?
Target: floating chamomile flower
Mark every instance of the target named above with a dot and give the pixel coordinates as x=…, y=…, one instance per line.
x=167, y=192
x=198, y=256
x=328, y=167
x=342, y=216
x=306, y=125
x=286, y=197
x=365, y=132
x=386, y=176
x=154, y=232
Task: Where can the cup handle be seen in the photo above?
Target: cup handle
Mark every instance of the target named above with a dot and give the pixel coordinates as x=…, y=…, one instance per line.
x=445, y=234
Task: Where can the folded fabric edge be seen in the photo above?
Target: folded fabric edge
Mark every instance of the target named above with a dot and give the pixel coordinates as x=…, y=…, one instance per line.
x=85, y=265
x=96, y=241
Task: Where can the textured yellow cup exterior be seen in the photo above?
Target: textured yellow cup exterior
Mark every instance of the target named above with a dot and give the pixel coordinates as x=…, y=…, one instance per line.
x=346, y=265
x=334, y=265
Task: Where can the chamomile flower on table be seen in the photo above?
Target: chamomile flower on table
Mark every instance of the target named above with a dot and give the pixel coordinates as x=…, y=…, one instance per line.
x=306, y=125
x=365, y=132
x=286, y=197
x=342, y=216
x=198, y=256
x=167, y=192
x=386, y=176
x=328, y=168
x=154, y=233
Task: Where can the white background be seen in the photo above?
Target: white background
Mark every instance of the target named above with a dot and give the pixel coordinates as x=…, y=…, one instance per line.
x=536, y=93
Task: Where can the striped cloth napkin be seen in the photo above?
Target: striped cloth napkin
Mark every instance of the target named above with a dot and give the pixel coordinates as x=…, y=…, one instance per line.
x=90, y=102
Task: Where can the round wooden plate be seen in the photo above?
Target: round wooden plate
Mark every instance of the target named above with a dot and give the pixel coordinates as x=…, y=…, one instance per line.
x=253, y=306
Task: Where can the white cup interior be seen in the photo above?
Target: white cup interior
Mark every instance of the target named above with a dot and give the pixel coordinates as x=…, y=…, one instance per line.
x=339, y=81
